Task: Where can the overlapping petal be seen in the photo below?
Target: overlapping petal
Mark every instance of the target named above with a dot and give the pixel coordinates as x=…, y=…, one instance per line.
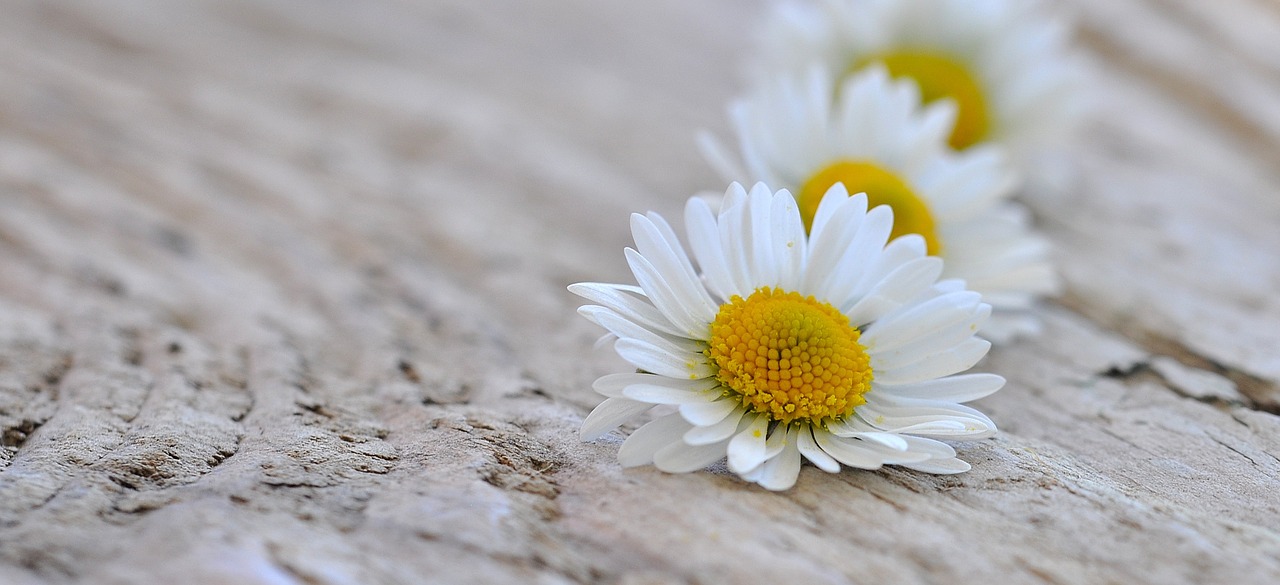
x=917, y=331
x=792, y=127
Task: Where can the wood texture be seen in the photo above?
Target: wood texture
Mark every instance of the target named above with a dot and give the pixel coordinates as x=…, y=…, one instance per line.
x=282, y=301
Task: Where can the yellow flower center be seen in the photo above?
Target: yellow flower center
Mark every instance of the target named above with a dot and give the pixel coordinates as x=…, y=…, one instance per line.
x=941, y=76
x=910, y=214
x=790, y=357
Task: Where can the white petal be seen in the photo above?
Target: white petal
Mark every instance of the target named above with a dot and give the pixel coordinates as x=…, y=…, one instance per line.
x=896, y=418
x=847, y=451
x=732, y=227
x=935, y=124
x=603, y=341
x=856, y=108
x=718, y=157
x=720, y=431
x=789, y=241
x=927, y=346
x=608, y=415
x=740, y=116
x=976, y=179
x=624, y=328
x=897, y=252
x=943, y=428
x=734, y=196
x=679, y=457
x=832, y=202
x=653, y=359
x=943, y=364
x=764, y=268
x=913, y=321
x=776, y=441
x=672, y=263
x=897, y=287
x=780, y=472
x=669, y=235
x=960, y=388
x=811, y=451
x=611, y=385
x=619, y=298
x=753, y=475
x=891, y=456
x=1003, y=327
x=849, y=426
x=1007, y=301
x=704, y=240
x=747, y=448
x=949, y=285
x=641, y=446
x=935, y=449
x=1018, y=260
x=888, y=440
x=662, y=394
x=690, y=320
x=827, y=247
x=866, y=246
x=706, y=414
x=868, y=308
x=904, y=404
x=939, y=466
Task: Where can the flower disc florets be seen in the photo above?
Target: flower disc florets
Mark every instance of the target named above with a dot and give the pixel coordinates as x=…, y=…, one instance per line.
x=790, y=357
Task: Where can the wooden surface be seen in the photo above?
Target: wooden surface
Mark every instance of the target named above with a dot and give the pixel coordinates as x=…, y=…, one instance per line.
x=282, y=301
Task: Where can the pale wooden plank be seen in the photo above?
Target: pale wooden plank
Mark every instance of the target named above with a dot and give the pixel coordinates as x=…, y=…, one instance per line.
x=281, y=300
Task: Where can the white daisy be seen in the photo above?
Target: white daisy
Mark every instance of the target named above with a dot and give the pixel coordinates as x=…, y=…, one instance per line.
x=829, y=345
x=875, y=138
x=1006, y=63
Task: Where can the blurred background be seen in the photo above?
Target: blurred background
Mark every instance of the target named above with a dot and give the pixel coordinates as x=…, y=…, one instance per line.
x=355, y=223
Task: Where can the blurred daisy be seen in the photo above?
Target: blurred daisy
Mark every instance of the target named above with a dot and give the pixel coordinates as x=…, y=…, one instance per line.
x=781, y=344
x=1005, y=63
x=875, y=139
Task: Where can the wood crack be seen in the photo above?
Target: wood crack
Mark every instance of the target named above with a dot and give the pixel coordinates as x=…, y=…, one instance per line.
x=1234, y=450
x=1245, y=389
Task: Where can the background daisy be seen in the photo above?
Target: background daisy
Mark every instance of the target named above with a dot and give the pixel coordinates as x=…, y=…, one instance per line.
x=875, y=138
x=780, y=344
x=1005, y=63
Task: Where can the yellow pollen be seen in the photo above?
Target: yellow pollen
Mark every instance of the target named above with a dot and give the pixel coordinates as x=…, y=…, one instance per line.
x=790, y=357
x=941, y=76
x=910, y=214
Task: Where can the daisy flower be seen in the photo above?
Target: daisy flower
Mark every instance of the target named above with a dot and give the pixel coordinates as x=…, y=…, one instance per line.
x=1004, y=63
x=828, y=345
x=875, y=138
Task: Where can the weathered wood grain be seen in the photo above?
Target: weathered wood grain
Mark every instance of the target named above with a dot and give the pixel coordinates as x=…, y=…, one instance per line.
x=282, y=301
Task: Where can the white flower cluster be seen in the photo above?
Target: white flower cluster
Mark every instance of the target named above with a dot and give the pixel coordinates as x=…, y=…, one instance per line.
x=830, y=312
